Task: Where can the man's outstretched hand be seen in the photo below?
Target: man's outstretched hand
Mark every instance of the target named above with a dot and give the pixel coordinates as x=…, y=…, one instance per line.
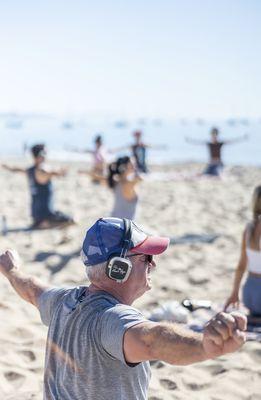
x=9, y=261
x=224, y=334
x=26, y=286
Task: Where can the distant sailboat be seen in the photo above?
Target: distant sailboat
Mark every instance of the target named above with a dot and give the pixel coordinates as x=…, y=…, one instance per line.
x=244, y=121
x=67, y=125
x=231, y=122
x=142, y=121
x=200, y=121
x=120, y=124
x=14, y=123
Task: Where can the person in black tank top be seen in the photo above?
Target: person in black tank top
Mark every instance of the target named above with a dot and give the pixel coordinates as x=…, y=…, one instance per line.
x=215, y=165
x=42, y=211
x=139, y=153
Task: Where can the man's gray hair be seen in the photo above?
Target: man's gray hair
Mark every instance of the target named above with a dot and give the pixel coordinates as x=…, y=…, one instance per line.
x=96, y=272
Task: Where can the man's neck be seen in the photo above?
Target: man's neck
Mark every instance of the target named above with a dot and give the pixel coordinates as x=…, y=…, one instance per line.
x=115, y=292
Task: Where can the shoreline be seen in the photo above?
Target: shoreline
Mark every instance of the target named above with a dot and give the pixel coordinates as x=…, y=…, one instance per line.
x=87, y=160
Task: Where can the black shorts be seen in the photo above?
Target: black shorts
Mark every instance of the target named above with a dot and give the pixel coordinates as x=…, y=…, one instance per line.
x=55, y=218
x=58, y=216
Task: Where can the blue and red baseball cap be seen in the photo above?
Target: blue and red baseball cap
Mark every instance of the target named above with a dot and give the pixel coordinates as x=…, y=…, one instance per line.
x=106, y=238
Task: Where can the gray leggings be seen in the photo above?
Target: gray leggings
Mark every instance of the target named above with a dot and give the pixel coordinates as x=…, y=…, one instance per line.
x=252, y=294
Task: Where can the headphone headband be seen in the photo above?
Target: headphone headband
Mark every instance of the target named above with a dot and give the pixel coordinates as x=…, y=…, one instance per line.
x=126, y=238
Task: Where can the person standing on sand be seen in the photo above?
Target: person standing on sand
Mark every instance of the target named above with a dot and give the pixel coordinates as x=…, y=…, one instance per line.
x=100, y=157
x=40, y=177
x=250, y=259
x=98, y=345
x=139, y=151
x=215, y=165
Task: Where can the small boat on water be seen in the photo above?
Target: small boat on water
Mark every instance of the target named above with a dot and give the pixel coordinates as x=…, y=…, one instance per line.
x=67, y=125
x=14, y=123
x=120, y=124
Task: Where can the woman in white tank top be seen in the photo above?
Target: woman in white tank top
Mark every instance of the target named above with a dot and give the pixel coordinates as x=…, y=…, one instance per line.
x=123, y=179
x=250, y=260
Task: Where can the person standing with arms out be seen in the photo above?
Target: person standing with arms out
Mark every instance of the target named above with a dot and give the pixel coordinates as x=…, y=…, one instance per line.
x=250, y=259
x=40, y=182
x=100, y=157
x=98, y=345
x=215, y=165
x=139, y=151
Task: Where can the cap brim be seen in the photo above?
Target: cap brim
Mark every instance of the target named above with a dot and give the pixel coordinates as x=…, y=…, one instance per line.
x=152, y=245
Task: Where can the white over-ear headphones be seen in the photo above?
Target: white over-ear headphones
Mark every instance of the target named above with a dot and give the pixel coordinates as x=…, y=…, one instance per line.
x=119, y=267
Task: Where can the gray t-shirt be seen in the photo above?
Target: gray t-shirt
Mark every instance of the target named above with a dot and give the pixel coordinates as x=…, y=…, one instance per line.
x=84, y=352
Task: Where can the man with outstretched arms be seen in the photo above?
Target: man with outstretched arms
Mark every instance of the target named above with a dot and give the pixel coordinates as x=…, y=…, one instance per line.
x=99, y=346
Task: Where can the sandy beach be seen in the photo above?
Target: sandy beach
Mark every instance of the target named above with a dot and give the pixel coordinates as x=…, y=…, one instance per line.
x=172, y=207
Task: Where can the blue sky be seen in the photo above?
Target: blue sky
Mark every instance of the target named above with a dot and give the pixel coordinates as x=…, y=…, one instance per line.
x=194, y=58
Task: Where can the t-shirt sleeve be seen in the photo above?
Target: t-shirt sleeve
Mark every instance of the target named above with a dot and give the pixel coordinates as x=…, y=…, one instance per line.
x=48, y=301
x=114, y=323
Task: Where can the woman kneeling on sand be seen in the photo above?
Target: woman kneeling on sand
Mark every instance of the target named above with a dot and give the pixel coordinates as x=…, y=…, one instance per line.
x=250, y=260
x=122, y=178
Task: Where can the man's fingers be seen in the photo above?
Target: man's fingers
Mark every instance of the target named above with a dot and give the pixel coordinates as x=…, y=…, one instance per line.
x=9, y=258
x=12, y=253
x=213, y=335
x=228, y=320
x=239, y=337
x=231, y=325
x=241, y=320
x=221, y=328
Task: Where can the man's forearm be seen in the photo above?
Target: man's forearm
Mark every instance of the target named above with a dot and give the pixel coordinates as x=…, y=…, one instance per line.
x=172, y=344
x=29, y=288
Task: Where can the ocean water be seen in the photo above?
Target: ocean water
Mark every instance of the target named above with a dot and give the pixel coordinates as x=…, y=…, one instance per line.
x=60, y=135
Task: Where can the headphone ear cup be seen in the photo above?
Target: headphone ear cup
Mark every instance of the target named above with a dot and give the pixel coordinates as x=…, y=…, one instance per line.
x=118, y=269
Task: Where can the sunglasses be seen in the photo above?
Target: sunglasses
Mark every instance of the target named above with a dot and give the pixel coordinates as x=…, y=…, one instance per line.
x=148, y=257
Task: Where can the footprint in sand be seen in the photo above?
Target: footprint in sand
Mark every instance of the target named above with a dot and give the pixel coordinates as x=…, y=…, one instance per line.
x=157, y=364
x=15, y=378
x=22, y=333
x=168, y=384
x=28, y=355
x=216, y=369
x=153, y=304
x=25, y=396
x=12, y=376
x=164, y=288
x=196, y=386
x=256, y=354
x=4, y=306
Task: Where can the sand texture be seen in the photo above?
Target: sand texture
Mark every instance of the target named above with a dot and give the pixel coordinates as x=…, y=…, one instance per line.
x=173, y=207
